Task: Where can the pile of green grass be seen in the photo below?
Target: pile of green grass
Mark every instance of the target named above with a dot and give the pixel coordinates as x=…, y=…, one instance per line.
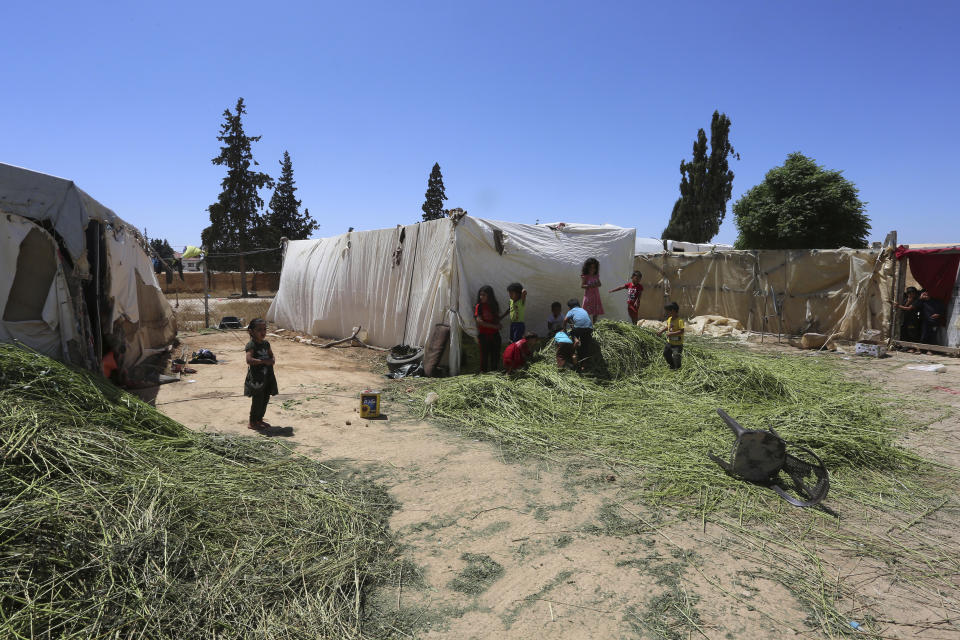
x=656, y=427
x=631, y=409
x=116, y=521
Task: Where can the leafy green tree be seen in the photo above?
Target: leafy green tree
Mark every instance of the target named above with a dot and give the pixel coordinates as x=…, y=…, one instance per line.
x=433, y=205
x=284, y=219
x=706, y=184
x=236, y=218
x=801, y=205
x=162, y=248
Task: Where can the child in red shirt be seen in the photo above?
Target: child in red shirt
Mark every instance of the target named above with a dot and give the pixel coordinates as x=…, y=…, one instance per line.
x=634, y=291
x=516, y=353
x=487, y=315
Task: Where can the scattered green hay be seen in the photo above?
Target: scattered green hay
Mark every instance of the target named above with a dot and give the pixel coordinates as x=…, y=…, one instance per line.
x=481, y=572
x=116, y=521
x=631, y=412
x=662, y=422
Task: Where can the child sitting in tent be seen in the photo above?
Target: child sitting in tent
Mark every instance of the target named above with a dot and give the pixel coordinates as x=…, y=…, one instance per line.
x=516, y=353
x=111, y=369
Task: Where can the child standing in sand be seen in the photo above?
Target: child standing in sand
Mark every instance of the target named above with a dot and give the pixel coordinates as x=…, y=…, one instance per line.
x=590, y=283
x=634, y=291
x=261, y=382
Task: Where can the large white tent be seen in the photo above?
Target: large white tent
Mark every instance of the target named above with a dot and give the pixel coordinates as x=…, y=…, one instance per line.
x=398, y=283
x=72, y=272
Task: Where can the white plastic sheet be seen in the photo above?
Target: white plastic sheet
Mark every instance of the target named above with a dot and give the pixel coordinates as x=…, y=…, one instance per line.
x=333, y=284
x=39, y=196
x=50, y=333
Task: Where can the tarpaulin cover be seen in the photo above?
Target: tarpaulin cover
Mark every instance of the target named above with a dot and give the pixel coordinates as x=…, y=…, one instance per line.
x=398, y=289
x=51, y=325
x=28, y=198
x=138, y=302
x=60, y=202
x=934, y=269
x=837, y=292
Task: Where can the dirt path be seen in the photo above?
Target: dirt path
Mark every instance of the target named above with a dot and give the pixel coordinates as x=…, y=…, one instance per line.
x=499, y=548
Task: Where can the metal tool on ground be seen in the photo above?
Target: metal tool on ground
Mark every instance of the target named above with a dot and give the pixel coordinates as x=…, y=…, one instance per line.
x=759, y=457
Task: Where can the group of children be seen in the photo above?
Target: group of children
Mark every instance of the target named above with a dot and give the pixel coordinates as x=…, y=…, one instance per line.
x=572, y=333
x=571, y=343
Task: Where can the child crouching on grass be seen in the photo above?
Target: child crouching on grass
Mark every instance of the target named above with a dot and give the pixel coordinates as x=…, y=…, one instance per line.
x=260, y=383
x=516, y=353
x=673, y=352
x=566, y=350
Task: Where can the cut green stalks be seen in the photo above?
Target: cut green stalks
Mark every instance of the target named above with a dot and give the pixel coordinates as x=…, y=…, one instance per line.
x=116, y=521
x=632, y=412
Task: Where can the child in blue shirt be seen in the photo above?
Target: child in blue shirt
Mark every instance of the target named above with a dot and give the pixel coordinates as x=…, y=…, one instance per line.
x=582, y=326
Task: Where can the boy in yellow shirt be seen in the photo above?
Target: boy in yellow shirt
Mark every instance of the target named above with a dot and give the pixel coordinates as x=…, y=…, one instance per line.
x=673, y=352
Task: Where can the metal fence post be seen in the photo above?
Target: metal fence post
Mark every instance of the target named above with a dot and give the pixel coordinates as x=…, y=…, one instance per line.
x=206, y=291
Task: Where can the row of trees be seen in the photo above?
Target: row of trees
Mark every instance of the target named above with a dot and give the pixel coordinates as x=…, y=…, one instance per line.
x=238, y=221
x=800, y=205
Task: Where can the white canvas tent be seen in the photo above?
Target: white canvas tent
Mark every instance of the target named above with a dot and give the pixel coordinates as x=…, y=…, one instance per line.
x=72, y=272
x=644, y=246
x=397, y=283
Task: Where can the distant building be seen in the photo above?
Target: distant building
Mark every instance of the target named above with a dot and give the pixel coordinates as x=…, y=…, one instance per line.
x=190, y=264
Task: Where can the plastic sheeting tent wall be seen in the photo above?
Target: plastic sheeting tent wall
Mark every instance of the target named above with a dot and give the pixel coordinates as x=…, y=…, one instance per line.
x=34, y=299
x=837, y=291
x=62, y=248
x=398, y=283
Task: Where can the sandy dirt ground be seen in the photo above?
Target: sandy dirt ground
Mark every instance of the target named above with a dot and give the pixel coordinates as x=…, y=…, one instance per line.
x=502, y=548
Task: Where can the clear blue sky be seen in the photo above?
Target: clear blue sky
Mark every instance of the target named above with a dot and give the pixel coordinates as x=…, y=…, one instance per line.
x=535, y=110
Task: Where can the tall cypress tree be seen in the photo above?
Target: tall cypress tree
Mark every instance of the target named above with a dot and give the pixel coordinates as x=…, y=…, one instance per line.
x=236, y=218
x=433, y=205
x=706, y=184
x=284, y=219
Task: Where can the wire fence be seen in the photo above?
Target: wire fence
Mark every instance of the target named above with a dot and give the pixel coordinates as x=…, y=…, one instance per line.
x=214, y=292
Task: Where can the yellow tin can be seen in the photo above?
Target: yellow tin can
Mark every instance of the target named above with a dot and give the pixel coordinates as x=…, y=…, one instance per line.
x=369, y=404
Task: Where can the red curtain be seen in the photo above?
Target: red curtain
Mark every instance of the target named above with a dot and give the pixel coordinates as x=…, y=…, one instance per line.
x=934, y=270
